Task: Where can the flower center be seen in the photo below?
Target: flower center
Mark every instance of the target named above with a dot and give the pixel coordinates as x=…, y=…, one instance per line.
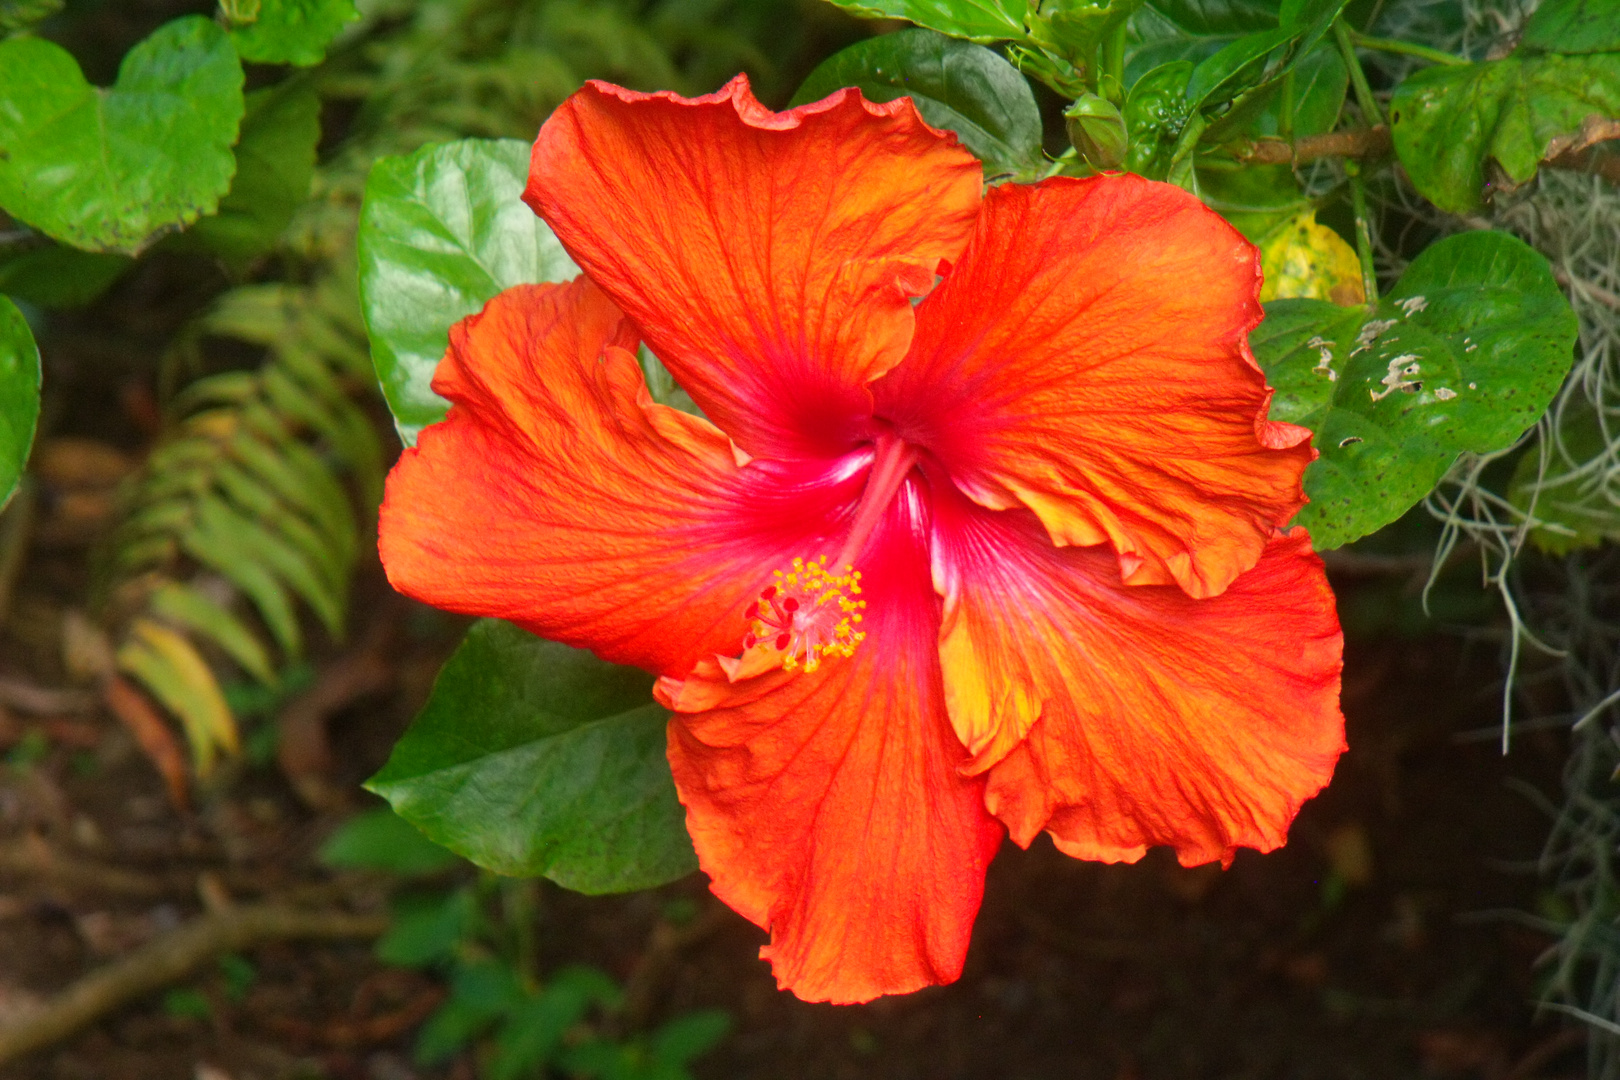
x=808, y=613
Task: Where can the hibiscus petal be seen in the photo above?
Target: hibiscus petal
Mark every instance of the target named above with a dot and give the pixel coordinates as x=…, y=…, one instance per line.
x=1121, y=717
x=559, y=496
x=829, y=807
x=1087, y=358
x=767, y=258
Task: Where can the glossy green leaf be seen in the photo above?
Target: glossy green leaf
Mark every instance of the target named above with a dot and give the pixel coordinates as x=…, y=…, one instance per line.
x=19, y=396
x=108, y=170
x=1076, y=29
x=1206, y=17
x=1155, y=113
x=1259, y=58
x=441, y=232
x=535, y=758
x=292, y=31
x=58, y=276
x=1572, y=26
x=1449, y=121
x=1464, y=354
x=976, y=20
x=1320, y=82
x=961, y=87
x=275, y=161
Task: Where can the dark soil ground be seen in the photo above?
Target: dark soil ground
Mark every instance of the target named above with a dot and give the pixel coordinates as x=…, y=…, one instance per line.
x=1380, y=943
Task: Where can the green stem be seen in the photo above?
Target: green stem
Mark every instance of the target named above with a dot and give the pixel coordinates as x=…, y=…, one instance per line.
x=1358, y=200
x=1285, y=122
x=1112, y=83
x=1405, y=48
x=1358, y=78
x=1065, y=158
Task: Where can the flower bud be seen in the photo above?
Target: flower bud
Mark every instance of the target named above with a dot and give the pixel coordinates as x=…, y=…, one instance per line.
x=1097, y=131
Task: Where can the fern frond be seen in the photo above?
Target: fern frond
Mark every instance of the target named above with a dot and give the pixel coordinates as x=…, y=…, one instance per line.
x=241, y=506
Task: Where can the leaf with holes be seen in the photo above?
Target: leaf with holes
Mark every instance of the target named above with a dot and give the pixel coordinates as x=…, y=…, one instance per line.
x=108, y=170
x=19, y=396
x=441, y=232
x=535, y=758
x=957, y=86
x=1450, y=122
x=1464, y=354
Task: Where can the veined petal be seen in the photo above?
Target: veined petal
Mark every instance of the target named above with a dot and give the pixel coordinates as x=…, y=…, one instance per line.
x=1088, y=358
x=829, y=806
x=1121, y=717
x=768, y=259
x=559, y=496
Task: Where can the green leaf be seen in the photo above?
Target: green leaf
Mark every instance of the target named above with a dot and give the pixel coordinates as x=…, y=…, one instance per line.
x=292, y=31
x=976, y=20
x=17, y=15
x=1259, y=58
x=1155, y=113
x=441, y=232
x=1572, y=492
x=1449, y=121
x=60, y=277
x=430, y=934
x=534, y=758
x=1320, y=82
x=1074, y=29
x=221, y=546
x=193, y=610
x=107, y=170
x=1573, y=26
x=536, y=1027
x=961, y=87
x=685, y=1037
x=1464, y=354
x=1207, y=17
x=19, y=396
x=275, y=161
x=382, y=840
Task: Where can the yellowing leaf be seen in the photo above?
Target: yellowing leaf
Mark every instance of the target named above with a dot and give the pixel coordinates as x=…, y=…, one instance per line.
x=1305, y=259
x=172, y=670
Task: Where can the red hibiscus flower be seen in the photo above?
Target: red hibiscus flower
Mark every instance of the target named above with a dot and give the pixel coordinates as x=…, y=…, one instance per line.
x=1004, y=559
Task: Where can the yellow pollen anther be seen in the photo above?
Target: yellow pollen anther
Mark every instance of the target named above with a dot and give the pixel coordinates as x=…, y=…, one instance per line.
x=807, y=613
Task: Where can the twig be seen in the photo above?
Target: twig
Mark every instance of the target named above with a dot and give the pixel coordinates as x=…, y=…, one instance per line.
x=1576, y=153
x=1360, y=143
x=1595, y=292
x=169, y=959
x=663, y=950
x=33, y=856
x=303, y=752
x=37, y=700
